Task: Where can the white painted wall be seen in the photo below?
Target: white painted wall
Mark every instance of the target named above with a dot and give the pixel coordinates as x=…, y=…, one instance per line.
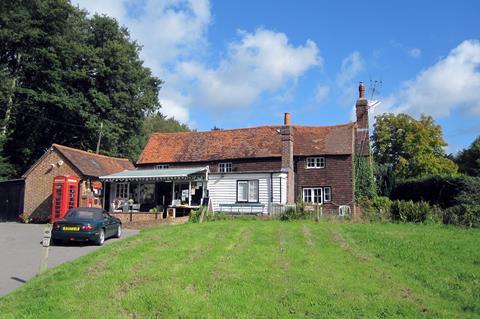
x=222, y=189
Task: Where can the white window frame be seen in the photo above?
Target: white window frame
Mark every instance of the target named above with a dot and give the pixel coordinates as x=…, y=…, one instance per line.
x=225, y=167
x=312, y=195
x=161, y=166
x=329, y=194
x=253, y=192
x=315, y=162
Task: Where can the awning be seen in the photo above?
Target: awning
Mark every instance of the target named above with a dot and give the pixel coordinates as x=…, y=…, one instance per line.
x=169, y=174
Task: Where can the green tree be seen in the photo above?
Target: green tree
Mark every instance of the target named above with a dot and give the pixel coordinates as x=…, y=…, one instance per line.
x=411, y=148
x=468, y=160
x=159, y=123
x=63, y=74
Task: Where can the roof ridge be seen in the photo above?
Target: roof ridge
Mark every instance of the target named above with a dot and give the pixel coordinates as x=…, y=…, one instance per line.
x=249, y=128
x=89, y=153
x=218, y=131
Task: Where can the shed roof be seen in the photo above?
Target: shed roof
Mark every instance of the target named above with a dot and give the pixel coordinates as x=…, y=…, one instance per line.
x=255, y=142
x=91, y=164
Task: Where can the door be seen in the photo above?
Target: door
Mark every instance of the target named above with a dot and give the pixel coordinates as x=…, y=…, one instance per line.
x=11, y=199
x=164, y=194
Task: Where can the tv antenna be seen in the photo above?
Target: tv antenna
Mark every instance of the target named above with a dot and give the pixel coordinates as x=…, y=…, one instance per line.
x=375, y=87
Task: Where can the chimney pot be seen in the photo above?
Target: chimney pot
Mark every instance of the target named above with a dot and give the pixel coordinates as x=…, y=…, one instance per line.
x=287, y=119
x=361, y=90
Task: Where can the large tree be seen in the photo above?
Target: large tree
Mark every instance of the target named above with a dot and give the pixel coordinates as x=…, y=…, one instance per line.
x=64, y=75
x=468, y=160
x=411, y=148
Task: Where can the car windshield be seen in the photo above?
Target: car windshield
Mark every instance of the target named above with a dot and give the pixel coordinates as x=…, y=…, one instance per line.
x=83, y=214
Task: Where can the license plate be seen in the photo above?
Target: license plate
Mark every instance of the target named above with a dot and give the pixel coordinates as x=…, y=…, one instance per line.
x=70, y=228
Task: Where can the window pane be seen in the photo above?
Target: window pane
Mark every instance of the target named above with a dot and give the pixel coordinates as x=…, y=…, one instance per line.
x=317, y=195
x=327, y=194
x=253, y=191
x=242, y=191
x=307, y=197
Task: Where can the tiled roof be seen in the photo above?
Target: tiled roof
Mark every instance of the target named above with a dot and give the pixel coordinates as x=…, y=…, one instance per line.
x=91, y=164
x=262, y=141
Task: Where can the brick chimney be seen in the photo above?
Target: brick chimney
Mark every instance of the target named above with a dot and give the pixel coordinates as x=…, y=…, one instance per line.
x=362, y=144
x=287, y=157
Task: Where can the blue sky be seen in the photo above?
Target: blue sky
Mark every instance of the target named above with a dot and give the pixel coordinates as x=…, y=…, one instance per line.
x=244, y=63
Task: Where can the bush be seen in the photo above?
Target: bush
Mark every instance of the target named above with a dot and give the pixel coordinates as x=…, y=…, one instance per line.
x=444, y=191
x=195, y=215
x=409, y=211
x=467, y=213
x=377, y=209
x=294, y=213
x=382, y=209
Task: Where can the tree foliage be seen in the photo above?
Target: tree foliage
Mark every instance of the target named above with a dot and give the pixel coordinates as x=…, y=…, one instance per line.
x=412, y=148
x=468, y=160
x=62, y=74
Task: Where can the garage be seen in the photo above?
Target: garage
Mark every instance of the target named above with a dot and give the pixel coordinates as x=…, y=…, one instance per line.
x=11, y=199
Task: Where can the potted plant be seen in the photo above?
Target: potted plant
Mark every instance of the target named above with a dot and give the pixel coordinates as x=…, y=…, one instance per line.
x=25, y=217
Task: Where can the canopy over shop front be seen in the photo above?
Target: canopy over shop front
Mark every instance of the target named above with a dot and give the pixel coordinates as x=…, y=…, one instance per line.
x=147, y=189
x=170, y=174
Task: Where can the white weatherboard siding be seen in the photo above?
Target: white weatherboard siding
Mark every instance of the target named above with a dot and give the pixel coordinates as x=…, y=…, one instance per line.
x=222, y=190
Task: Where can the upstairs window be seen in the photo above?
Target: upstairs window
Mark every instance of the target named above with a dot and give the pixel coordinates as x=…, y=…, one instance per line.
x=161, y=166
x=247, y=191
x=315, y=162
x=225, y=167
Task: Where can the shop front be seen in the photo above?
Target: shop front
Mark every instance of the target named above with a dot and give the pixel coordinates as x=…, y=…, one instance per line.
x=155, y=190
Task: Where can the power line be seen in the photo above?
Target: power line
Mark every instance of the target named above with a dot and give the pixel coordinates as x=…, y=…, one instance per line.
x=49, y=119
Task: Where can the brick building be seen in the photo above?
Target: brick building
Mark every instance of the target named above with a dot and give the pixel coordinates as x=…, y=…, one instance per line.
x=62, y=160
x=248, y=169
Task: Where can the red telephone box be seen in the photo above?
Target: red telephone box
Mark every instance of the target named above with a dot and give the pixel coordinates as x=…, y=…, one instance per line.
x=64, y=195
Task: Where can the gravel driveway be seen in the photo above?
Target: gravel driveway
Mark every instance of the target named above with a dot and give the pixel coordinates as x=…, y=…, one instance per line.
x=21, y=249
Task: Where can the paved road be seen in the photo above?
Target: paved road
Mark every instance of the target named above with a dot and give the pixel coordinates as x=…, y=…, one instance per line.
x=21, y=249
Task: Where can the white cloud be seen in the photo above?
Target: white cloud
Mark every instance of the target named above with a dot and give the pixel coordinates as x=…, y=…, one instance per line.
x=321, y=93
x=113, y=8
x=175, y=108
x=169, y=31
x=174, y=38
x=451, y=83
x=352, y=65
x=347, y=81
x=259, y=62
x=414, y=53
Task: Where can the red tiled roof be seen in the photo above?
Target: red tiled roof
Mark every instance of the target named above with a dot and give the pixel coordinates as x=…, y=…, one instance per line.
x=91, y=164
x=262, y=141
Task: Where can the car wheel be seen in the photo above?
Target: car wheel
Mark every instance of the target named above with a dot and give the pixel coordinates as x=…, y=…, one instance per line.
x=54, y=242
x=119, y=231
x=101, y=238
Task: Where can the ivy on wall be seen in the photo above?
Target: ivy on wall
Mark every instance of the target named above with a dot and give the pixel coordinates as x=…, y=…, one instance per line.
x=364, y=181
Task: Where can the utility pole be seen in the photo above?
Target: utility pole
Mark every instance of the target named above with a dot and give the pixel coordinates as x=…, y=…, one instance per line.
x=99, y=137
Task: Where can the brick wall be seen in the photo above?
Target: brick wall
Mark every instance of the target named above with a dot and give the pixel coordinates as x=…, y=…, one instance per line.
x=38, y=183
x=337, y=174
x=137, y=217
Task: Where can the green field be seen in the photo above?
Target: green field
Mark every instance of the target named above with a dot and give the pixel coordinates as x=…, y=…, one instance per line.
x=265, y=269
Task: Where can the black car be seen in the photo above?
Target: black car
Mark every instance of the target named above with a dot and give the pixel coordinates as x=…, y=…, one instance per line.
x=86, y=224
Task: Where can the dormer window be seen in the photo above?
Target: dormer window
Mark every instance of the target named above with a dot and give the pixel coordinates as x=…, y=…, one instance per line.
x=316, y=162
x=161, y=166
x=225, y=167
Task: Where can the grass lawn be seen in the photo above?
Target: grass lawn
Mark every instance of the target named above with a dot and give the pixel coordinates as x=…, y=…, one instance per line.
x=265, y=269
